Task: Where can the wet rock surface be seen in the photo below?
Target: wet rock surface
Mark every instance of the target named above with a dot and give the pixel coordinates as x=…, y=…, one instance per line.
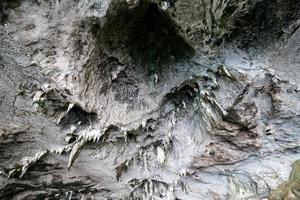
x=149, y=99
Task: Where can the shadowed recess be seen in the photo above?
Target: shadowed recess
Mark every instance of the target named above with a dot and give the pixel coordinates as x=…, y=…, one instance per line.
x=146, y=33
x=266, y=23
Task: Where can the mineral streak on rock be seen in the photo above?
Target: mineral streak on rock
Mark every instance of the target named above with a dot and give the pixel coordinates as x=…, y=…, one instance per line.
x=149, y=99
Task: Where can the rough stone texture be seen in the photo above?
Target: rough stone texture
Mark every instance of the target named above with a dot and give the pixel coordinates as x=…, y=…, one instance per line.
x=149, y=99
x=289, y=189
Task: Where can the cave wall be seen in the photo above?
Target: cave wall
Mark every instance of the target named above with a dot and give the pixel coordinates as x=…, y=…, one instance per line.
x=149, y=99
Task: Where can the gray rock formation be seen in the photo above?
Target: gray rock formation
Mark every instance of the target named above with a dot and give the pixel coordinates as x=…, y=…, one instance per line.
x=149, y=99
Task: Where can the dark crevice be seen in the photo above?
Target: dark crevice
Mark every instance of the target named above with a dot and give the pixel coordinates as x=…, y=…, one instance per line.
x=77, y=115
x=146, y=33
x=187, y=91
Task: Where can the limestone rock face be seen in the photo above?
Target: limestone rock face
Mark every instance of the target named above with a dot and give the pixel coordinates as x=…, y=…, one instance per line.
x=149, y=99
x=207, y=21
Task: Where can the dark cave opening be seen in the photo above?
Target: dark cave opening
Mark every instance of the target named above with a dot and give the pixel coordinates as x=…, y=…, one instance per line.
x=146, y=34
x=77, y=115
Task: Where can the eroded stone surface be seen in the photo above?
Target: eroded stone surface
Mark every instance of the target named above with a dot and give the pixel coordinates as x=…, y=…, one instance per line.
x=148, y=99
